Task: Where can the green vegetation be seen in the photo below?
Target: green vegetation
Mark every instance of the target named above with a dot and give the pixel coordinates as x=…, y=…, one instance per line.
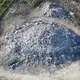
x=4, y=5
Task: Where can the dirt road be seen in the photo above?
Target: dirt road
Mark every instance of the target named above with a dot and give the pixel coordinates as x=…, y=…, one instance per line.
x=58, y=21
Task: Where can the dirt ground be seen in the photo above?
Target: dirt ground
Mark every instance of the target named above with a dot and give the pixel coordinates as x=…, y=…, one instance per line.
x=68, y=73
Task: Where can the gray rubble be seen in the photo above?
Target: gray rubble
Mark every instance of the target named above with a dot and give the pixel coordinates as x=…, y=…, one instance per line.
x=42, y=43
x=47, y=44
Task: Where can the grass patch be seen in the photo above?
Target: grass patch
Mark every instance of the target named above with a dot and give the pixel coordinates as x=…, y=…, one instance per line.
x=4, y=5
